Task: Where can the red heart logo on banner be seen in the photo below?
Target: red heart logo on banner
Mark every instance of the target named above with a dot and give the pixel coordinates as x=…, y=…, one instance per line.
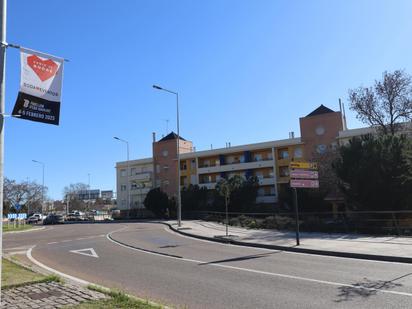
x=43, y=68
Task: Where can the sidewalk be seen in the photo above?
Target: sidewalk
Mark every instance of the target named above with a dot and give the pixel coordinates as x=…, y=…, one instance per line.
x=384, y=248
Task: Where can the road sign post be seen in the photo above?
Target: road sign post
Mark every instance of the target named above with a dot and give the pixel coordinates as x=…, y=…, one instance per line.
x=295, y=202
x=302, y=175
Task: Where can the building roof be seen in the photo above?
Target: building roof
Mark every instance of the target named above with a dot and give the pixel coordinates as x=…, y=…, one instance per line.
x=171, y=136
x=322, y=109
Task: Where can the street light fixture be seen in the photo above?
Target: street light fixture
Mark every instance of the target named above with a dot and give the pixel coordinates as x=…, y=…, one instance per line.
x=179, y=202
x=42, y=187
x=127, y=173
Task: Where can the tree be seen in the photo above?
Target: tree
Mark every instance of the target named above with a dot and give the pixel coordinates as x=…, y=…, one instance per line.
x=157, y=202
x=71, y=193
x=376, y=173
x=225, y=188
x=194, y=198
x=27, y=194
x=245, y=194
x=386, y=104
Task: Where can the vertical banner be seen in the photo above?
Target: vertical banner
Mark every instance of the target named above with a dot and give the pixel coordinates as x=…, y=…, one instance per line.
x=40, y=87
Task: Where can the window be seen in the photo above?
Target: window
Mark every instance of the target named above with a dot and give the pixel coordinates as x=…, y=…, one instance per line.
x=193, y=164
x=133, y=171
x=183, y=166
x=321, y=148
x=157, y=168
x=257, y=157
x=242, y=159
x=123, y=187
x=259, y=175
x=298, y=152
x=270, y=156
x=157, y=184
x=165, y=153
x=272, y=191
x=166, y=168
x=123, y=172
x=283, y=171
x=123, y=202
x=283, y=154
x=261, y=192
x=133, y=186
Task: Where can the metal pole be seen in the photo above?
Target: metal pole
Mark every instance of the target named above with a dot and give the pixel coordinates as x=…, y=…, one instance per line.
x=295, y=202
x=128, y=181
x=88, y=191
x=179, y=202
x=227, y=216
x=3, y=12
x=42, y=188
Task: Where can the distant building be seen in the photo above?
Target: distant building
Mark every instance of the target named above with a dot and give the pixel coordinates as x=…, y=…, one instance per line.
x=321, y=130
x=87, y=195
x=107, y=194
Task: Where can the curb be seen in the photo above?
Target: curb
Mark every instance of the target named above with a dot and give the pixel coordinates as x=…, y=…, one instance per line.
x=26, y=231
x=360, y=256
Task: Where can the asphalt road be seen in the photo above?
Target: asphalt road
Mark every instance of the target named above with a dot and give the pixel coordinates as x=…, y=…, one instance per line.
x=189, y=273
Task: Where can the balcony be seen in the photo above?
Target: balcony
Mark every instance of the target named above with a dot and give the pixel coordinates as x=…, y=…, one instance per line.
x=141, y=176
x=266, y=199
x=209, y=185
x=265, y=181
x=236, y=167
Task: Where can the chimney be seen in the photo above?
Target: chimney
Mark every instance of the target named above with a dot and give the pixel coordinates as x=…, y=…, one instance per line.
x=291, y=134
x=154, y=136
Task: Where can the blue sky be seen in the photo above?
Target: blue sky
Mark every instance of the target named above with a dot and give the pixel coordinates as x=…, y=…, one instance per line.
x=245, y=72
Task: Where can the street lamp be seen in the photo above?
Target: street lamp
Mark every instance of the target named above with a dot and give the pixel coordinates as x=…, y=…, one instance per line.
x=127, y=173
x=179, y=204
x=42, y=187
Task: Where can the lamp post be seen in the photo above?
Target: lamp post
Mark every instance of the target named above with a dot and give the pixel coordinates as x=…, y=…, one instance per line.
x=127, y=174
x=88, y=192
x=42, y=186
x=179, y=204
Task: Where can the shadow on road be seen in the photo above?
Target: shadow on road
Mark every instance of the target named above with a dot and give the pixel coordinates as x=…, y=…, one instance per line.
x=241, y=258
x=366, y=288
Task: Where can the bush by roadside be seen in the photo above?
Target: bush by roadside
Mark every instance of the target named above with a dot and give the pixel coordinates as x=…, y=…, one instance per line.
x=271, y=222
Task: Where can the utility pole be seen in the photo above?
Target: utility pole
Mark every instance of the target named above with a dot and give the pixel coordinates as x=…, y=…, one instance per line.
x=3, y=46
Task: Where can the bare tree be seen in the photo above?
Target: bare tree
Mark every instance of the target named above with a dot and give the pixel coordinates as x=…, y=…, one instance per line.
x=71, y=193
x=386, y=104
x=27, y=194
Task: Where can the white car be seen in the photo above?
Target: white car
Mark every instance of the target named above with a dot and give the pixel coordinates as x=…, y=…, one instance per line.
x=35, y=218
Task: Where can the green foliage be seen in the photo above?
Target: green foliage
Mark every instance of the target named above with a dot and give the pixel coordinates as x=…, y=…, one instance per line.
x=376, y=172
x=194, y=198
x=157, y=202
x=240, y=193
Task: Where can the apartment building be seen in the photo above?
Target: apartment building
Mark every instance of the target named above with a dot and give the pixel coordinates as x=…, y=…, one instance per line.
x=321, y=130
x=135, y=178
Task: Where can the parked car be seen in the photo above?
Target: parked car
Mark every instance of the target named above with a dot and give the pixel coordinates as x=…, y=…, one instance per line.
x=75, y=216
x=35, y=218
x=53, y=219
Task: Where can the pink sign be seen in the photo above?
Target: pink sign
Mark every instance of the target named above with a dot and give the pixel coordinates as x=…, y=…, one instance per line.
x=304, y=183
x=305, y=174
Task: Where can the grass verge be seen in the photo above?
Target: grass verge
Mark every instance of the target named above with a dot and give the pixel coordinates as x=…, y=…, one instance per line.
x=14, y=275
x=15, y=228
x=117, y=300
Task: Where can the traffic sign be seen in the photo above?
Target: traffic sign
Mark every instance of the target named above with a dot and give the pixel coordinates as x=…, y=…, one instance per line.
x=304, y=174
x=304, y=165
x=304, y=183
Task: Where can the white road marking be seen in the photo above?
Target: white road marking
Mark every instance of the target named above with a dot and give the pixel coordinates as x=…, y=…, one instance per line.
x=83, y=252
x=108, y=236
x=53, y=242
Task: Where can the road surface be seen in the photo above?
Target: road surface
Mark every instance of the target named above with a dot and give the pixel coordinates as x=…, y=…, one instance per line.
x=150, y=261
